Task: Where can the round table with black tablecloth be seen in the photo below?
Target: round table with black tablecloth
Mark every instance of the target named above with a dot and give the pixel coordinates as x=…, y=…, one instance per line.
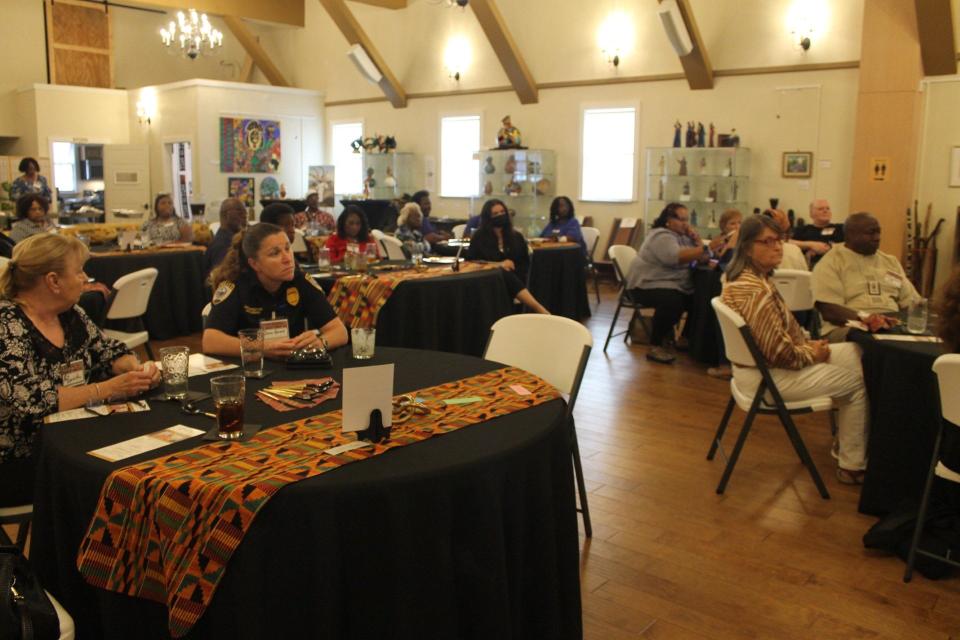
x=178, y=294
x=704, y=334
x=904, y=417
x=469, y=535
x=449, y=313
x=558, y=280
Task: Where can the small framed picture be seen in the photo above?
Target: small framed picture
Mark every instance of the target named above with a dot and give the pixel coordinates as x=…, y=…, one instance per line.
x=797, y=164
x=955, y=167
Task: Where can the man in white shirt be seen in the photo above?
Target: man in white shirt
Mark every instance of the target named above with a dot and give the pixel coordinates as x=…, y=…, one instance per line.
x=857, y=281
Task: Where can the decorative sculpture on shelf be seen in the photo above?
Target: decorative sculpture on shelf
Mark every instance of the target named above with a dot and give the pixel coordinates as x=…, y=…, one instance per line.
x=488, y=167
x=691, y=135
x=703, y=166
x=712, y=195
x=701, y=135
x=660, y=189
x=389, y=180
x=677, y=128
x=686, y=188
x=487, y=188
x=375, y=144
x=683, y=166
x=729, y=170
x=734, y=138
x=513, y=188
x=736, y=189
x=662, y=165
x=511, y=165
x=509, y=136
x=712, y=131
x=693, y=219
x=713, y=219
x=370, y=182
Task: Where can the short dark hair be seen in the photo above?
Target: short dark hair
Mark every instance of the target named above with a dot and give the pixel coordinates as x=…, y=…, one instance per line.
x=26, y=201
x=353, y=210
x=419, y=195
x=555, y=208
x=156, y=203
x=274, y=211
x=25, y=164
x=669, y=211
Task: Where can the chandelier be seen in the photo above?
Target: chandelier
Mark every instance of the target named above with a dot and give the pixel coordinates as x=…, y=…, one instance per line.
x=192, y=33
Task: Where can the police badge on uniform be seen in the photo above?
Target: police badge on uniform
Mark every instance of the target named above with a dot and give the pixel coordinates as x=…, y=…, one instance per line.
x=293, y=296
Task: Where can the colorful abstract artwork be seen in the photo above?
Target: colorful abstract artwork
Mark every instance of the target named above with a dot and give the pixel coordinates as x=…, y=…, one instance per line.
x=321, y=180
x=242, y=189
x=249, y=146
x=269, y=188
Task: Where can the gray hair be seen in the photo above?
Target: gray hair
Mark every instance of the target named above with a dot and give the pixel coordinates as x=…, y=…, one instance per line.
x=409, y=208
x=750, y=230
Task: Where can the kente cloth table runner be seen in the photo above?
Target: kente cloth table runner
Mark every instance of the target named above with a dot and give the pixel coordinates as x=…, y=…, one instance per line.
x=358, y=299
x=553, y=245
x=166, y=528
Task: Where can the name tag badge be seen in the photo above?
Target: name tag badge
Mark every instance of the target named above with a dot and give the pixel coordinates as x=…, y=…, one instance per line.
x=873, y=287
x=893, y=280
x=275, y=329
x=827, y=231
x=73, y=374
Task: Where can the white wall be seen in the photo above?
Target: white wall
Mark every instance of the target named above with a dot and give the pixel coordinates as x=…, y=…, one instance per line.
x=940, y=135
x=22, y=57
x=191, y=111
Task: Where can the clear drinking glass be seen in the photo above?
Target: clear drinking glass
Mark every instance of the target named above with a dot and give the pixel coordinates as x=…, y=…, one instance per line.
x=251, y=352
x=371, y=252
x=917, y=316
x=323, y=258
x=176, y=369
x=363, y=340
x=228, y=396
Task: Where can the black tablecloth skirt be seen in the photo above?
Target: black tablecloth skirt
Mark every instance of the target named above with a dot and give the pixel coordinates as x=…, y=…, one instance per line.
x=178, y=294
x=704, y=334
x=558, y=280
x=469, y=535
x=904, y=417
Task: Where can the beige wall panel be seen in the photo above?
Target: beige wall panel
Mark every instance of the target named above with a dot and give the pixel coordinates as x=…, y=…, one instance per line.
x=23, y=60
x=82, y=68
x=84, y=26
x=891, y=52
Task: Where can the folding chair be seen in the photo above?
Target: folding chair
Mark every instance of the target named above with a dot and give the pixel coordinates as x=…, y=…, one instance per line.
x=741, y=348
x=947, y=369
x=591, y=236
x=556, y=349
x=130, y=301
x=458, y=230
x=21, y=516
x=797, y=291
x=392, y=248
x=214, y=227
x=621, y=255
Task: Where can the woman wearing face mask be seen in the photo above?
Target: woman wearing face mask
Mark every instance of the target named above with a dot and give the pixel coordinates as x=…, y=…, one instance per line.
x=258, y=281
x=166, y=226
x=497, y=241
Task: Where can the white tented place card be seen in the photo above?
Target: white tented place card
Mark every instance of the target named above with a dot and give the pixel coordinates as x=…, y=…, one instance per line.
x=100, y=410
x=366, y=389
x=142, y=444
x=900, y=337
x=350, y=446
x=275, y=329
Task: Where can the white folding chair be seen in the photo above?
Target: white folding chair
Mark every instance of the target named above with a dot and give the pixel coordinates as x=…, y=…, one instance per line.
x=741, y=348
x=622, y=255
x=591, y=236
x=214, y=227
x=556, y=349
x=392, y=248
x=458, y=230
x=205, y=313
x=299, y=244
x=21, y=516
x=67, y=629
x=947, y=368
x=797, y=290
x=377, y=234
x=130, y=301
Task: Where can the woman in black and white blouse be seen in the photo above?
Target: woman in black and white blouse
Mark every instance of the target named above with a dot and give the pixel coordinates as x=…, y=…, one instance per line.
x=52, y=356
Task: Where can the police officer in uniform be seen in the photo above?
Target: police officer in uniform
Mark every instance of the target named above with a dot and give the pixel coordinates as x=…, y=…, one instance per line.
x=257, y=285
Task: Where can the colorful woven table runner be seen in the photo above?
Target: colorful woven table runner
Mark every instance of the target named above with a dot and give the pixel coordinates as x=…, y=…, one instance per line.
x=165, y=529
x=358, y=299
x=553, y=245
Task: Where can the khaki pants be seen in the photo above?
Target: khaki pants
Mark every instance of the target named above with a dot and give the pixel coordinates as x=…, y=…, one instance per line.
x=841, y=378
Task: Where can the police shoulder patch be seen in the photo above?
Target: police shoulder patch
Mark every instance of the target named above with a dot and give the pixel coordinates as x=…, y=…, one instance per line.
x=223, y=291
x=313, y=281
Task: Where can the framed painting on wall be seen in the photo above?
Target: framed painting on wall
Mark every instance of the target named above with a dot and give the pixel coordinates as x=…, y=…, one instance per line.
x=320, y=180
x=243, y=190
x=797, y=164
x=248, y=145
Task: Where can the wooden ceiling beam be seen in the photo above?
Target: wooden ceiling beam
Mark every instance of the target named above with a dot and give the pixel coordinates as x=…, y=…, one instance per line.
x=495, y=27
x=936, y=37
x=289, y=12
x=354, y=33
x=696, y=65
x=385, y=4
x=255, y=50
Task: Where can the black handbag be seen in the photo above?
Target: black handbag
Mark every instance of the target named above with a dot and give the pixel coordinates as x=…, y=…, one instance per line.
x=26, y=612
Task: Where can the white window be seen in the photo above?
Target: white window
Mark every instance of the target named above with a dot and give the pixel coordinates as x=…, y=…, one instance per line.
x=609, y=154
x=65, y=166
x=459, y=163
x=348, y=172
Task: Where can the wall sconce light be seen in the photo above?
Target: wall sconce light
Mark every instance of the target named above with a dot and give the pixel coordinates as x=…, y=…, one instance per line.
x=615, y=37
x=146, y=107
x=806, y=19
x=456, y=57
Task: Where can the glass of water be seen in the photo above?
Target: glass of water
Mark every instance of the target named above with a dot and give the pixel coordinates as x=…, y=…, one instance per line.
x=917, y=316
x=363, y=340
x=251, y=352
x=323, y=258
x=176, y=368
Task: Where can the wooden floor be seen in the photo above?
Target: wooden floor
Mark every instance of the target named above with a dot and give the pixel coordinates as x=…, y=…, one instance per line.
x=770, y=559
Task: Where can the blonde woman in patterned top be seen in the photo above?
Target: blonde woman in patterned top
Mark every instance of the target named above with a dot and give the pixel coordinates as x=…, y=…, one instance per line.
x=801, y=368
x=166, y=226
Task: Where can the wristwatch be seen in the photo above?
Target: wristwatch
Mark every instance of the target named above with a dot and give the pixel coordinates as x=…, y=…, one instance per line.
x=323, y=341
